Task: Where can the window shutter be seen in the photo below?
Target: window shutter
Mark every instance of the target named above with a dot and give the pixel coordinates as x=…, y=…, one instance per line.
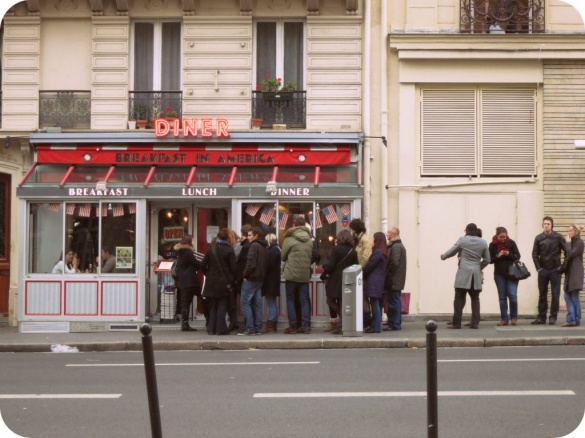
x=448, y=132
x=508, y=137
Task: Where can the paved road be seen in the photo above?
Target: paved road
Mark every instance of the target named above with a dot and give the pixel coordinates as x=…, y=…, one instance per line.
x=501, y=391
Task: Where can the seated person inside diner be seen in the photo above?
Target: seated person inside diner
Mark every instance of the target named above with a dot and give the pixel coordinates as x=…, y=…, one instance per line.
x=67, y=266
x=108, y=259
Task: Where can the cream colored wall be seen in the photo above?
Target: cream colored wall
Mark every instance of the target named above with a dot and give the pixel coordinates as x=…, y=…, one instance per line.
x=432, y=212
x=65, y=60
x=443, y=16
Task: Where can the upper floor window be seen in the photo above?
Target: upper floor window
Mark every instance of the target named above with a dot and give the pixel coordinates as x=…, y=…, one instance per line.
x=478, y=132
x=502, y=16
x=280, y=51
x=157, y=55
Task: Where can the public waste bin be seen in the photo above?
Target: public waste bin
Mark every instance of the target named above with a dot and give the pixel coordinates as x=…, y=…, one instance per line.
x=352, y=304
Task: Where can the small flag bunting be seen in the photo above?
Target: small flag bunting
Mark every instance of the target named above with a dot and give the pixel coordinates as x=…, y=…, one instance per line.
x=252, y=209
x=266, y=216
x=118, y=210
x=345, y=208
x=53, y=207
x=70, y=209
x=330, y=214
x=85, y=210
x=132, y=208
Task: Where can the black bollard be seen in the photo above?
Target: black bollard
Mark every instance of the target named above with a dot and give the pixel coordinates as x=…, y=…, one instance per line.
x=432, y=397
x=151, y=386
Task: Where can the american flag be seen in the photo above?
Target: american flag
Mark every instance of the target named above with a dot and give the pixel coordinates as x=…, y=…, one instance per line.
x=104, y=211
x=283, y=220
x=252, y=209
x=266, y=216
x=330, y=214
x=318, y=223
x=70, y=209
x=118, y=210
x=53, y=207
x=345, y=208
x=85, y=210
x=132, y=208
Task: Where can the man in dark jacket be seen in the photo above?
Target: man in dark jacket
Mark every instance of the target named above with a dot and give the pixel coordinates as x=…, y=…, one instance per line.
x=546, y=254
x=241, y=251
x=252, y=280
x=395, y=278
x=297, y=250
x=188, y=283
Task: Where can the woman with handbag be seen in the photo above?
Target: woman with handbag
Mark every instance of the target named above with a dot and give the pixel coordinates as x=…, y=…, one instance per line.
x=503, y=253
x=340, y=257
x=374, y=276
x=188, y=283
x=220, y=269
x=573, y=267
x=271, y=285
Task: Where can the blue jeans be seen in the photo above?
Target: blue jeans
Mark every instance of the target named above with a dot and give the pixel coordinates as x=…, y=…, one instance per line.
x=252, y=293
x=377, y=307
x=394, y=309
x=507, y=290
x=546, y=276
x=302, y=289
x=272, y=304
x=573, y=307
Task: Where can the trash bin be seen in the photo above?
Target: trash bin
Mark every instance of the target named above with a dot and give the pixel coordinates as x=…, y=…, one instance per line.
x=352, y=304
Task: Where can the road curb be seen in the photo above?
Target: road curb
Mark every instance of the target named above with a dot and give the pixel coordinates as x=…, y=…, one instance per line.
x=310, y=343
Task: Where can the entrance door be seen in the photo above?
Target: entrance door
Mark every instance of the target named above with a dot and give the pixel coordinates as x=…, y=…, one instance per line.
x=5, y=189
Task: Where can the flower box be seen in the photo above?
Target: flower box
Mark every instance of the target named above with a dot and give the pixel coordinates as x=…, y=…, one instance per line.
x=277, y=96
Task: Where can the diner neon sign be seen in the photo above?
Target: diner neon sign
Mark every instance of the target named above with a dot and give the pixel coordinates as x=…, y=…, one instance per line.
x=191, y=128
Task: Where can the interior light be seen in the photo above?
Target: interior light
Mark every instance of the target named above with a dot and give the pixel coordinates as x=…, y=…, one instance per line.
x=185, y=219
x=169, y=214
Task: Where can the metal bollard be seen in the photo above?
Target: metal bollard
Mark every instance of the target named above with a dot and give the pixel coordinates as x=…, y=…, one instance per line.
x=432, y=398
x=151, y=386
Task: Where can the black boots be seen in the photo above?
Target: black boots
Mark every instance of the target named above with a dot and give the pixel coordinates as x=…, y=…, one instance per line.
x=185, y=327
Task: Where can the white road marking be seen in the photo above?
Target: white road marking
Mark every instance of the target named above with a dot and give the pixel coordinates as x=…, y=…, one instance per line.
x=193, y=364
x=60, y=396
x=548, y=359
x=406, y=394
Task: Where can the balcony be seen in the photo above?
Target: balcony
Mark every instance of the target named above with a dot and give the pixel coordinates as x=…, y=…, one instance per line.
x=148, y=105
x=283, y=108
x=502, y=16
x=67, y=109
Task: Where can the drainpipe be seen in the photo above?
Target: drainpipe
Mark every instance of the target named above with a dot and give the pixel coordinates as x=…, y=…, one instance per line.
x=366, y=113
x=384, y=110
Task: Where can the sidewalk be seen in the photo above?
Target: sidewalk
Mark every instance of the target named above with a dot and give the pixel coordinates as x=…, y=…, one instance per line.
x=412, y=335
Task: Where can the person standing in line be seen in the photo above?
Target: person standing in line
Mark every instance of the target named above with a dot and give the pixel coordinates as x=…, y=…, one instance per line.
x=297, y=249
x=503, y=252
x=474, y=257
x=395, y=278
x=374, y=274
x=252, y=280
x=220, y=269
x=573, y=267
x=188, y=283
x=271, y=286
x=341, y=256
x=241, y=250
x=363, y=247
x=546, y=254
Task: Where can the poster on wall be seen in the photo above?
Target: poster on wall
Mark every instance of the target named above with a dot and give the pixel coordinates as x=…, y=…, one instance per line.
x=124, y=257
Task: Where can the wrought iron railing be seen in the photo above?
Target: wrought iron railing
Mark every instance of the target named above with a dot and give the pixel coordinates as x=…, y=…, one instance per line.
x=69, y=109
x=283, y=108
x=148, y=105
x=502, y=16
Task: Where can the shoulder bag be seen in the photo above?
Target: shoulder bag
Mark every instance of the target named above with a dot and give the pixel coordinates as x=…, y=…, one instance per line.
x=518, y=271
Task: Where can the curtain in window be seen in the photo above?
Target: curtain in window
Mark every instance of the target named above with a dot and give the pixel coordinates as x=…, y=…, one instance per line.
x=171, y=56
x=293, y=54
x=143, y=56
x=266, y=51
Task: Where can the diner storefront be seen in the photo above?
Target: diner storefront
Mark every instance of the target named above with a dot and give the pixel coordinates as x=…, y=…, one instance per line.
x=135, y=194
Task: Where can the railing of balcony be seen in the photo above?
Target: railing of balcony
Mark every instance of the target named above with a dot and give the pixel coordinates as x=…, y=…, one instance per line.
x=148, y=105
x=280, y=108
x=68, y=109
x=502, y=16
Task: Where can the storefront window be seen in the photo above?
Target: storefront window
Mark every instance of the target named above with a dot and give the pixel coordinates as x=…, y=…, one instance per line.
x=326, y=219
x=74, y=229
x=173, y=224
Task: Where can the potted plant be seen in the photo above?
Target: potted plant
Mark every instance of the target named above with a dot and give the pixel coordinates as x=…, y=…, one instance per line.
x=168, y=113
x=271, y=88
x=256, y=123
x=140, y=114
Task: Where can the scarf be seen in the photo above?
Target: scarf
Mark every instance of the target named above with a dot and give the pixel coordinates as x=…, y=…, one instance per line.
x=499, y=244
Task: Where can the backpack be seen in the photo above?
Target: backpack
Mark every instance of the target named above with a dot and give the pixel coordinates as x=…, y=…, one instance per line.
x=174, y=272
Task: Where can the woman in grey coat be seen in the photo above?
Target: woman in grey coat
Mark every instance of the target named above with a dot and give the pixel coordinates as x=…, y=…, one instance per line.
x=474, y=257
x=573, y=266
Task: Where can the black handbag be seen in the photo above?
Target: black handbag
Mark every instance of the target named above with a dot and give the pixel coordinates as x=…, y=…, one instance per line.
x=518, y=271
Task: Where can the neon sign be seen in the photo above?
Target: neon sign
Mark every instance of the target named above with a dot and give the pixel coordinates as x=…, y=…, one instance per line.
x=191, y=128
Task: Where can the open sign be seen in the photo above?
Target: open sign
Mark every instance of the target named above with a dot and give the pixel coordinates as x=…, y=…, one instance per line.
x=173, y=233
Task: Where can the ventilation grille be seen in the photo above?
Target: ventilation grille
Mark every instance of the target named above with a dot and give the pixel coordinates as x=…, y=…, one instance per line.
x=44, y=327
